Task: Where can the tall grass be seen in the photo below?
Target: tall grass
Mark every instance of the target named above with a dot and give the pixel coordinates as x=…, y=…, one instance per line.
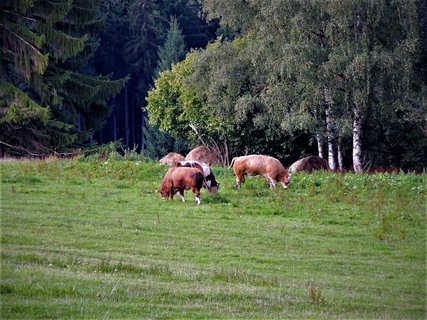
x=87, y=238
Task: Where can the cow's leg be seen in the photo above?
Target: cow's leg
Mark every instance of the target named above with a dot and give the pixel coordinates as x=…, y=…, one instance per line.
x=197, y=194
x=271, y=182
x=181, y=194
x=240, y=178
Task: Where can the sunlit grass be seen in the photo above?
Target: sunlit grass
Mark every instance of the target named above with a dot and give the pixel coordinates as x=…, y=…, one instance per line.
x=92, y=239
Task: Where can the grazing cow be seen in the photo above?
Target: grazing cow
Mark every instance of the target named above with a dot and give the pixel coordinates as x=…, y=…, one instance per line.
x=211, y=183
x=268, y=167
x=178, y=179
x=309, y=164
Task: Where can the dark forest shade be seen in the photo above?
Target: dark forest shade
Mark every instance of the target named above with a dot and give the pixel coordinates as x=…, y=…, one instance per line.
x=49, y=101
x=134, y=33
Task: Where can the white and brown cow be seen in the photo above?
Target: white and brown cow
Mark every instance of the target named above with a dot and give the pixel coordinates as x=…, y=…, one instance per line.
x=178, y=179
x=268, y=167
x=211, y=183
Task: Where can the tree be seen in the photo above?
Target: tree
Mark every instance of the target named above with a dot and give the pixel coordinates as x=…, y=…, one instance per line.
x=48, y=100
x=173, y=51
x=331, y=65
x=135, y=30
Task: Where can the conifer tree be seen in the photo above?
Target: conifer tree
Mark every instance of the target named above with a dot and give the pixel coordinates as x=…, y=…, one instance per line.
x=173, y=51
x=49, y=102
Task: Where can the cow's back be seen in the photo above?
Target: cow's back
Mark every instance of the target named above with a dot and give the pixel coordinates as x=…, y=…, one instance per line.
x=309, y=164
x=211, y=181
x=185, y=176
x=260, y=164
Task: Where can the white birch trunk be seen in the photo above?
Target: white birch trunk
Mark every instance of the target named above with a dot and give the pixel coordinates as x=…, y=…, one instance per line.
x=330, y=130
x=319, y=144
x=357, y=139
x=340, y=155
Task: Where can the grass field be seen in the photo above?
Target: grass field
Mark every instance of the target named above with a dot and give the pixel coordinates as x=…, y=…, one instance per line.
x=91, y=239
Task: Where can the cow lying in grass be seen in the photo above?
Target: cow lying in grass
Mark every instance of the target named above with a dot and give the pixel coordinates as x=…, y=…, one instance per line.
x=178, y=179
x=268, y=167
x=309, y=164
x=211, y=183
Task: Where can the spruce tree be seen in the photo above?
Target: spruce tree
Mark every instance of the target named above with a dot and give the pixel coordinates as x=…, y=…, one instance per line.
x=173, y=50
x=159, y=143
x=49, y=102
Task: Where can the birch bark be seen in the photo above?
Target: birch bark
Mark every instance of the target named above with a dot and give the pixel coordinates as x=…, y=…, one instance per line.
x=330, y=130
x=319, y=144
x=357, y=138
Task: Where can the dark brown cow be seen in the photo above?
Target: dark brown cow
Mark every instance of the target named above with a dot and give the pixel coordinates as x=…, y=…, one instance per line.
x=391, y=170
x=309, y=164
x=211, y=183
x=268, y=167
x=178, y=179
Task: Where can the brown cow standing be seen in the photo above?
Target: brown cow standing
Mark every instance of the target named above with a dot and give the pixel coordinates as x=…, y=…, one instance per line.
x=211, y=183
x=268, y=167
x=178, y=179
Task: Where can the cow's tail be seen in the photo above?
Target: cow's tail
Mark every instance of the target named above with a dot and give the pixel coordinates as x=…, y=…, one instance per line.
x=231, y=163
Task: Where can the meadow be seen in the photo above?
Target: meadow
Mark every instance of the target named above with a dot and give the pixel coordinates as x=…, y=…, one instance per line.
x=91, y=239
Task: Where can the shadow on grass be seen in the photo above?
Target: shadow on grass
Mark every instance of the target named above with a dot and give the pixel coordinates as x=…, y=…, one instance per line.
x=215, y=198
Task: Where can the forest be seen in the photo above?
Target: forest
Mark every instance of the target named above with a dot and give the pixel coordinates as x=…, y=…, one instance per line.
x=345, y=80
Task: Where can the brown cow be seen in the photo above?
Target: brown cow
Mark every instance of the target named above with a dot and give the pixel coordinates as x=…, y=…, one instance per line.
x=211, y=183
x=178, y=179
x=268, y=167
x=309, y=164
x=171, y=158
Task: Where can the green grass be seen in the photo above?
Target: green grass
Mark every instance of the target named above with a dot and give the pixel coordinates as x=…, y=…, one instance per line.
x=90, y=239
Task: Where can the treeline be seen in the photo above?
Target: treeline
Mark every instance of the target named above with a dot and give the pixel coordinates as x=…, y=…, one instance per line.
x=342, y=79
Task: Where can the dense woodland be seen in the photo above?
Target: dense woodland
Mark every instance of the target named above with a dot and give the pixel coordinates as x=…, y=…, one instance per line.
x=346, y=80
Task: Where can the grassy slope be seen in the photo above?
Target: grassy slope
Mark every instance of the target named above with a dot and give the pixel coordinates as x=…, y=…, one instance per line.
x=93, y=240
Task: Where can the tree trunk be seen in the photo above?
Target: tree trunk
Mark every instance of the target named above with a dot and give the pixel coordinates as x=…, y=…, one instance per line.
x=79, y=121
x=142, y=132
x=330, y=129
x=114, y=124
x=319, y=144
x=126, y=118
x=132, y=120
x=340, y=155
x=357, y=138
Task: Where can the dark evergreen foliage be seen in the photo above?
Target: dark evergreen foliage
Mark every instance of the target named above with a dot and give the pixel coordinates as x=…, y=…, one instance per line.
x=49, y=102
x=135, y=31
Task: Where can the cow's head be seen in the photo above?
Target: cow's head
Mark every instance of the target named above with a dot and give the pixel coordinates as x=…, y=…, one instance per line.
x=286, y=180
x=214, y=189
x=164, y=193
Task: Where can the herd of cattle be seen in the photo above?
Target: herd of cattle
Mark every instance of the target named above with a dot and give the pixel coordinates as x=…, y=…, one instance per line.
x=194, y=175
